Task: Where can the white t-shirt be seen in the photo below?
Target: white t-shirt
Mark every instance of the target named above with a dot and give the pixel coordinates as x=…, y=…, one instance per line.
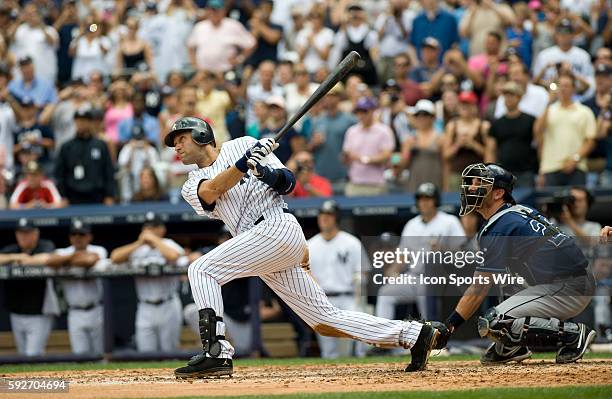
x=90, y=57
x=294, y=100
x=140, y=157
x=579, y=59
x=337, y=262
x=31, y=41
x=82, y=292
x=532, y=103
x=154, y=288
x=322, y=40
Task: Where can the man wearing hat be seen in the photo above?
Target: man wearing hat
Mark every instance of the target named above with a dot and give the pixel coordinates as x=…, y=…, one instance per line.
x=35, y=191
x=335, y=261
x=159, y=313
x=367, y=147
x=84, y=170
x=511, y=137
x=83, y=295
x=549, y=61
x=30, y=85
x=30, y=302
x=29, y=131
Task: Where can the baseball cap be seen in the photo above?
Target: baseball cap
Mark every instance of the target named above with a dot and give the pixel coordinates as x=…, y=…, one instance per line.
x=365, y=104
x=77, y=226
x=24, y=224
x=603, y=69
x=512, y=88
x=32, y=167
x=137, y=132
x=151, y=6
x=329, y=206
x=423, y=106
x=83, y=113
x=24, y=60
x=468, y=97
x=431, y=41
x=277, y=101
x=565, y=26
x=26, y=102
x=216, y=4
x=152, y=219
x=354, y=7
x=391, y=84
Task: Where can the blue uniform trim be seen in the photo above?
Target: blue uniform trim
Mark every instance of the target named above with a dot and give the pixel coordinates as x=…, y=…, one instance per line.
x=281, y=180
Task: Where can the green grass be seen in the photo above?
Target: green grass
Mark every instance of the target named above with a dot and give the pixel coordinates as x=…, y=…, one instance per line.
x=24, y=368
x=588, y=392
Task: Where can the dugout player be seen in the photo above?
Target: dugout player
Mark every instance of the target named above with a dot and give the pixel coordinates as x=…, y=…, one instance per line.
x=518, y=239
x=159, y=315
x=335, y=261
x=267, y=242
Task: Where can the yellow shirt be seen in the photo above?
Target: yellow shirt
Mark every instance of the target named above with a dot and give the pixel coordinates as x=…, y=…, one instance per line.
x=214, y=106
x=566, y=131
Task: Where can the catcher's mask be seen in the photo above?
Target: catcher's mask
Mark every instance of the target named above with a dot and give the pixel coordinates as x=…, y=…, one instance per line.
x=478, y=180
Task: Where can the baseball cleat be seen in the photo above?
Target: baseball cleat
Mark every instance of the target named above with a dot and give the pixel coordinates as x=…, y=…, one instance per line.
x=575, y=351
x=422, y=348
x=517, y=354
x=201, y=366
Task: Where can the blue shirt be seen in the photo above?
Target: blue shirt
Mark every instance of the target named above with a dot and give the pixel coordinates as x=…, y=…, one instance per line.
x=149, y=123
x=443, y=27
x=327, y=158
x=41, y=91
x=517, y=243
x=526, y=42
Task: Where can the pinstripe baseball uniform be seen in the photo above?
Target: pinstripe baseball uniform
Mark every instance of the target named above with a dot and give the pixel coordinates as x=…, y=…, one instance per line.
x=269, y=243
x=85, y=312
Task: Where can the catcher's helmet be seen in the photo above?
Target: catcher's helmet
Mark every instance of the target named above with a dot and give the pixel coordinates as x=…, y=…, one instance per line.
x=201, y=131
x=483, y=177
x=428, y=190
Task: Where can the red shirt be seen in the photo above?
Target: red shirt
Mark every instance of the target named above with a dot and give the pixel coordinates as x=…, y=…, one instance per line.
x=47, y=192
x=319, y=183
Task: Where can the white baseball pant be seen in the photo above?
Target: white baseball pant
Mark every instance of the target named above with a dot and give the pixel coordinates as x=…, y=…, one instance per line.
x=31, y=333
x=86, y=330
x=158, y=327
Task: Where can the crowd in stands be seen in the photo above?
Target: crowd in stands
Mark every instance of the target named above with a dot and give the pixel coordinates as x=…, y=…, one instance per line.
x=89, y=88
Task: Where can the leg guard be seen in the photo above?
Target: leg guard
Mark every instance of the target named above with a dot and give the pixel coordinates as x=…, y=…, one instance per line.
x=526, y=331
x=208, y=332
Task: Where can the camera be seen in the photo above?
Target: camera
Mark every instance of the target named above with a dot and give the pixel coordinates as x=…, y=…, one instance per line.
x=554, y=207
x=302, y=167
x=93, y=28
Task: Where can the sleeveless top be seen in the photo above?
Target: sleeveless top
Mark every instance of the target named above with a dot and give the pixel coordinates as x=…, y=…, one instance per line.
x=425, y=166
x=135, y=61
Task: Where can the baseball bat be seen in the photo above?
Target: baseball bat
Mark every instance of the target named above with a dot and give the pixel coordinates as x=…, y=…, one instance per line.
x=337, y=74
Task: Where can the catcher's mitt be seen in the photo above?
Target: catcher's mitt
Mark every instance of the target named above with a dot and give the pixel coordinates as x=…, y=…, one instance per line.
x=444, y=336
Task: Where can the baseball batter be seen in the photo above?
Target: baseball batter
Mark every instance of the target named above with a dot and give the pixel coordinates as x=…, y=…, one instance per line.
x=242, y=183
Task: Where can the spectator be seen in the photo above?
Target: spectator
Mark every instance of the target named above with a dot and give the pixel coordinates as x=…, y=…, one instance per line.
x=30, y=302
x=436, y=23
x=136, y=154
x=297, y=93
x=430, y=64
x=314, y=42
x=488, y=61
x=565, y=134
x=285, y=72
x=447, y=107
x=534, y=99
x=150, y=187
x=573, y=217
x=263, y=90
x=214, y=43
x=519, y=36
x=149, y=124
x=327, y=139
x=170, y=108
x=481, y=18
x=89, y=49
x=65, y=25
x=119, y=109
x=35, y=191
x=336, y=262
x=393, y=28
x=421, y=153
x=410, y=90
x=29, y=132
x=83, y=168
x=159, y=313
x=260, y=109
x=3, y=187
x=7, y=123
x=565, y=58
x=367, y=148
x=213, y=103
x=292, y=141
x=356, y=35
x=145, y=83
x=35, y=39
x=600, y=105
x=32, y=85
x=266, y=33
x=465, y=139
x=355, y=89
x=392, y=112
x=309, y=184
x=544, y=29
x=511, y=138
x=134, y=53
x=97, y=95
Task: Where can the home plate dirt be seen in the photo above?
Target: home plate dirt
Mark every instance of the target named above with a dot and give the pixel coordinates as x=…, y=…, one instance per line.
x=268, y=380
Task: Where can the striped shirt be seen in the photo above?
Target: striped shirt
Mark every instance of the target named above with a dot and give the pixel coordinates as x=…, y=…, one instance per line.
x=241, y=206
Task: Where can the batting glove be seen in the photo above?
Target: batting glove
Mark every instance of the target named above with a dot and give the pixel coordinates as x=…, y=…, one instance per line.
x=266, y=146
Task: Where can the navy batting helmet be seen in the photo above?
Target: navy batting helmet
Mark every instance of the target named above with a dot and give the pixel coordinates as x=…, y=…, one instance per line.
x=428, y=190
x=478, y=180
x=201, y=131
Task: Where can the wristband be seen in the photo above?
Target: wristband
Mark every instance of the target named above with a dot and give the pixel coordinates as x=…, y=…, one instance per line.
x=241, y=164
x=455, y=320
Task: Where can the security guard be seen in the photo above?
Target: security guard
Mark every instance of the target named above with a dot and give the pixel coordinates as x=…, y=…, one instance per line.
x=159, y=314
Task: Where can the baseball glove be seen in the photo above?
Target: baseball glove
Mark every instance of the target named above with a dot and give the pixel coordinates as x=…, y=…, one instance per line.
x=444, y=336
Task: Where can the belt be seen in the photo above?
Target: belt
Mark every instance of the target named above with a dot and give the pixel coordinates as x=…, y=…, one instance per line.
x=157, y=302
x=578, y=273
x=261, y=218
x=84, y=307
x=333, y=294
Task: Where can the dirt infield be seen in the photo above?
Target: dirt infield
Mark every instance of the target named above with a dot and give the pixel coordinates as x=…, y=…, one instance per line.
x=268, y=380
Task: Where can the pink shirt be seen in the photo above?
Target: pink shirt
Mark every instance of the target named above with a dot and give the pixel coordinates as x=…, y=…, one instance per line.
x=367, y=142
x=216, y=45
x=113, y=117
